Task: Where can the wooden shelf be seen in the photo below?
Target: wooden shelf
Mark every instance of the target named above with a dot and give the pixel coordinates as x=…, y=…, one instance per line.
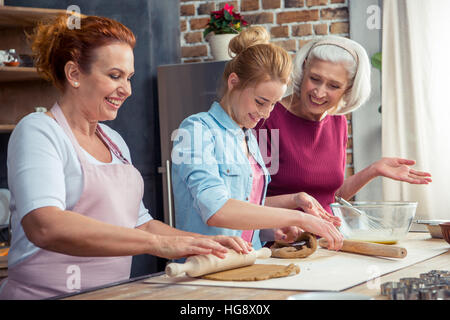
x=7, y=128
x=12, y=74
x=22, y=88
x=25, y=17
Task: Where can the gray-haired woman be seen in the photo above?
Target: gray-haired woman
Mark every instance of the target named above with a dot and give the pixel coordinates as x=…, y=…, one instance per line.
x=331, y=78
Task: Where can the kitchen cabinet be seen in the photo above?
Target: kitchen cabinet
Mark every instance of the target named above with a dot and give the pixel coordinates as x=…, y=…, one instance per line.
x=192, y=97
x=21, y=88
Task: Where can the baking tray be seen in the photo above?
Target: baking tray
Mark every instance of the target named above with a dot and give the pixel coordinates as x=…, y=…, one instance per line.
x=433, y=227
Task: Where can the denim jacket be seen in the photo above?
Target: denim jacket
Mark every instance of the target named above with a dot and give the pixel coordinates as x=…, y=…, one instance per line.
x=209, y=167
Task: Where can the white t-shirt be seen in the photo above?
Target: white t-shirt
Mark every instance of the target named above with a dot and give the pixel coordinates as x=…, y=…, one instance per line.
x=44, y=170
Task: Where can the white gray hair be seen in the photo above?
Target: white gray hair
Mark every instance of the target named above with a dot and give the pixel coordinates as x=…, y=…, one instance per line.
x=337, y=50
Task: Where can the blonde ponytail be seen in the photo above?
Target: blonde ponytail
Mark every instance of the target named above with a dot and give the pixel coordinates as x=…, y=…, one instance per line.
x=256, y=60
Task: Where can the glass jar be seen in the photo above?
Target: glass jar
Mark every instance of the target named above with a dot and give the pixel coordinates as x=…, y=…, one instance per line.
x=12, y=58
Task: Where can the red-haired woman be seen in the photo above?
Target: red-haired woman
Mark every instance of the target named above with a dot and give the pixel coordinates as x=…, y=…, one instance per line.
x=76, y=200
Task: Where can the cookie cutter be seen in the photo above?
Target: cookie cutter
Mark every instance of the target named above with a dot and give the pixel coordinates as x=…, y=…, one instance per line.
x=433, y=285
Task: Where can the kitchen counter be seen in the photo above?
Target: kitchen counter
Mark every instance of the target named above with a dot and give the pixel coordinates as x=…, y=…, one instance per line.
x=140, y=289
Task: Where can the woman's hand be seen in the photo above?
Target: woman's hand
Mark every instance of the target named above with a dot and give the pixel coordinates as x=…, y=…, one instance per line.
x=174, y=247
x=310, y=205
x=236, y=243
x=399, y=169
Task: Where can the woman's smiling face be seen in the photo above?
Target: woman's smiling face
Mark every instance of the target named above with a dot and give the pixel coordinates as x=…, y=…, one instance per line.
x=107, y=84
x=324, y=84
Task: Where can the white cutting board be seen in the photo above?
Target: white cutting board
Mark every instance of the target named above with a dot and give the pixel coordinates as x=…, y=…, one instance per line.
x=331, y=271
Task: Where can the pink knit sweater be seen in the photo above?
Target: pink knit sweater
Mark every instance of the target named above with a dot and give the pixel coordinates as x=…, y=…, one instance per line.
x=312, y=154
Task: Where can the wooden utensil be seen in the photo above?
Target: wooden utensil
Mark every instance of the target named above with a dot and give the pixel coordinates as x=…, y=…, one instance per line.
x=199, y=265
x=370, y=249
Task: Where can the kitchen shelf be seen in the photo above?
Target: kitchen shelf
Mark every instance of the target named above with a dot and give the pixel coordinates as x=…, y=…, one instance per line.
x=4, y=128
x=11, y=16
x=11, y=74
x=22, y=88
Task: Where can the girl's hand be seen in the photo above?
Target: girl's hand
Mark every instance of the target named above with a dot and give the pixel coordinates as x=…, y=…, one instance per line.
x=310, y=205
x=287, y=234
x=323, y=229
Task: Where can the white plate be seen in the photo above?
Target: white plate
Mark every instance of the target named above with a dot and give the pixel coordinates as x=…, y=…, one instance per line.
x=329, y=295
x=5, y=196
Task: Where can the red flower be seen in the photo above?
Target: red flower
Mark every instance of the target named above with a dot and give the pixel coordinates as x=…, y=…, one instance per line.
x=217, y=14
x=237, y=16
x=229, y=8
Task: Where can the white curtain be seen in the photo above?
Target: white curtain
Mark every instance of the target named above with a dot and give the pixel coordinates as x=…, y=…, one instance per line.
x=416, y=99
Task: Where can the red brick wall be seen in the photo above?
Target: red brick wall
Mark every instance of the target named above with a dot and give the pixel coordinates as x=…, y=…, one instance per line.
x=291, y=23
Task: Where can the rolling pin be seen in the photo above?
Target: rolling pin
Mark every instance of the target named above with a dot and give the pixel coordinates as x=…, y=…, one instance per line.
x=199, y=265
x=368, y=248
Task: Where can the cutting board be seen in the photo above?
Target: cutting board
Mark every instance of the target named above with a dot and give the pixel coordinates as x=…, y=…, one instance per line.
x=327, y=270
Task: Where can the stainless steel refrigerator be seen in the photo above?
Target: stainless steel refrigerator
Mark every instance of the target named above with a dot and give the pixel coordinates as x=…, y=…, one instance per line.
x=183, y=90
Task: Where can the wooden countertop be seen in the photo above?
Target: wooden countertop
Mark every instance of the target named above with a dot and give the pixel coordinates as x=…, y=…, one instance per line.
x=136, y=289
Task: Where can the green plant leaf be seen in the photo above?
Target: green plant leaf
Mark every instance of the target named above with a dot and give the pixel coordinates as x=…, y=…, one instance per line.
x=376, y=60
x=206, y=31
x=228, y=16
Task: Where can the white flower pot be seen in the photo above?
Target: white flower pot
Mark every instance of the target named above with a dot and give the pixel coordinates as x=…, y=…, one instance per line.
x=219, y=45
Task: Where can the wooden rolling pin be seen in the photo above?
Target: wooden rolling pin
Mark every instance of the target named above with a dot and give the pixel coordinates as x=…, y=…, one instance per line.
x=200, y=265
x=370, y=249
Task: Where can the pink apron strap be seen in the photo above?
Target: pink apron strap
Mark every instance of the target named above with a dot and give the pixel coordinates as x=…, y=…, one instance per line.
x=112, y=146
x=61, y=119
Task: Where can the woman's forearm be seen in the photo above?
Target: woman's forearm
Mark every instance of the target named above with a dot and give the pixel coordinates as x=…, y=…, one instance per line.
x=286, y=201
x=160, y=228
x=71, y=233
x=356, y=182
x=241, y=215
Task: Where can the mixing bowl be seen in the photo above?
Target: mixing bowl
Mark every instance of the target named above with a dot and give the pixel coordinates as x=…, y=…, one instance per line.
x=380, y=222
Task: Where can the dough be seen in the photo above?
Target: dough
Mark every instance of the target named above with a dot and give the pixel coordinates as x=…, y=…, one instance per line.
x=287, y=251
x=254, y=272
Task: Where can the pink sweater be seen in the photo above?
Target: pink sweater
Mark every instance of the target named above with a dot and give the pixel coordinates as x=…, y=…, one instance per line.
x=312, y=154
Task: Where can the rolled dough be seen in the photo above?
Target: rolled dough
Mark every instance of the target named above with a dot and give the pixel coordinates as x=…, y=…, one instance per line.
x=254, y=272
x=287, y=251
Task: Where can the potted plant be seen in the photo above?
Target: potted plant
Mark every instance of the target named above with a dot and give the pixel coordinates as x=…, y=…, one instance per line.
x=222, y=26
x=376, y=63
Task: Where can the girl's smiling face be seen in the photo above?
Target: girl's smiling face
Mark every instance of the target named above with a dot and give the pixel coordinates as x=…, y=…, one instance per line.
x=249, y=105
x=323, y=86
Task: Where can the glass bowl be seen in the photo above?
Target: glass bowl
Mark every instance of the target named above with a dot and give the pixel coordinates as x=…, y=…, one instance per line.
x=380, y=222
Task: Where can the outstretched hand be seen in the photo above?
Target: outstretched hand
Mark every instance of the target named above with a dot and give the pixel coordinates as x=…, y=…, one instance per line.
x=399, y=169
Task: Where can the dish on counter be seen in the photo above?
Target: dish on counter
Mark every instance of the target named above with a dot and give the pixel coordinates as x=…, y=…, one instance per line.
x=433, y=227
x=445, y=228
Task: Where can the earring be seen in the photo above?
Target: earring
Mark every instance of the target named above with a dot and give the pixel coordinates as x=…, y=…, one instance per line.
x=76, y=84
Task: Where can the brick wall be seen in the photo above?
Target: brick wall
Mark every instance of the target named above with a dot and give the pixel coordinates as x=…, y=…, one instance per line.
x=291, y=23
